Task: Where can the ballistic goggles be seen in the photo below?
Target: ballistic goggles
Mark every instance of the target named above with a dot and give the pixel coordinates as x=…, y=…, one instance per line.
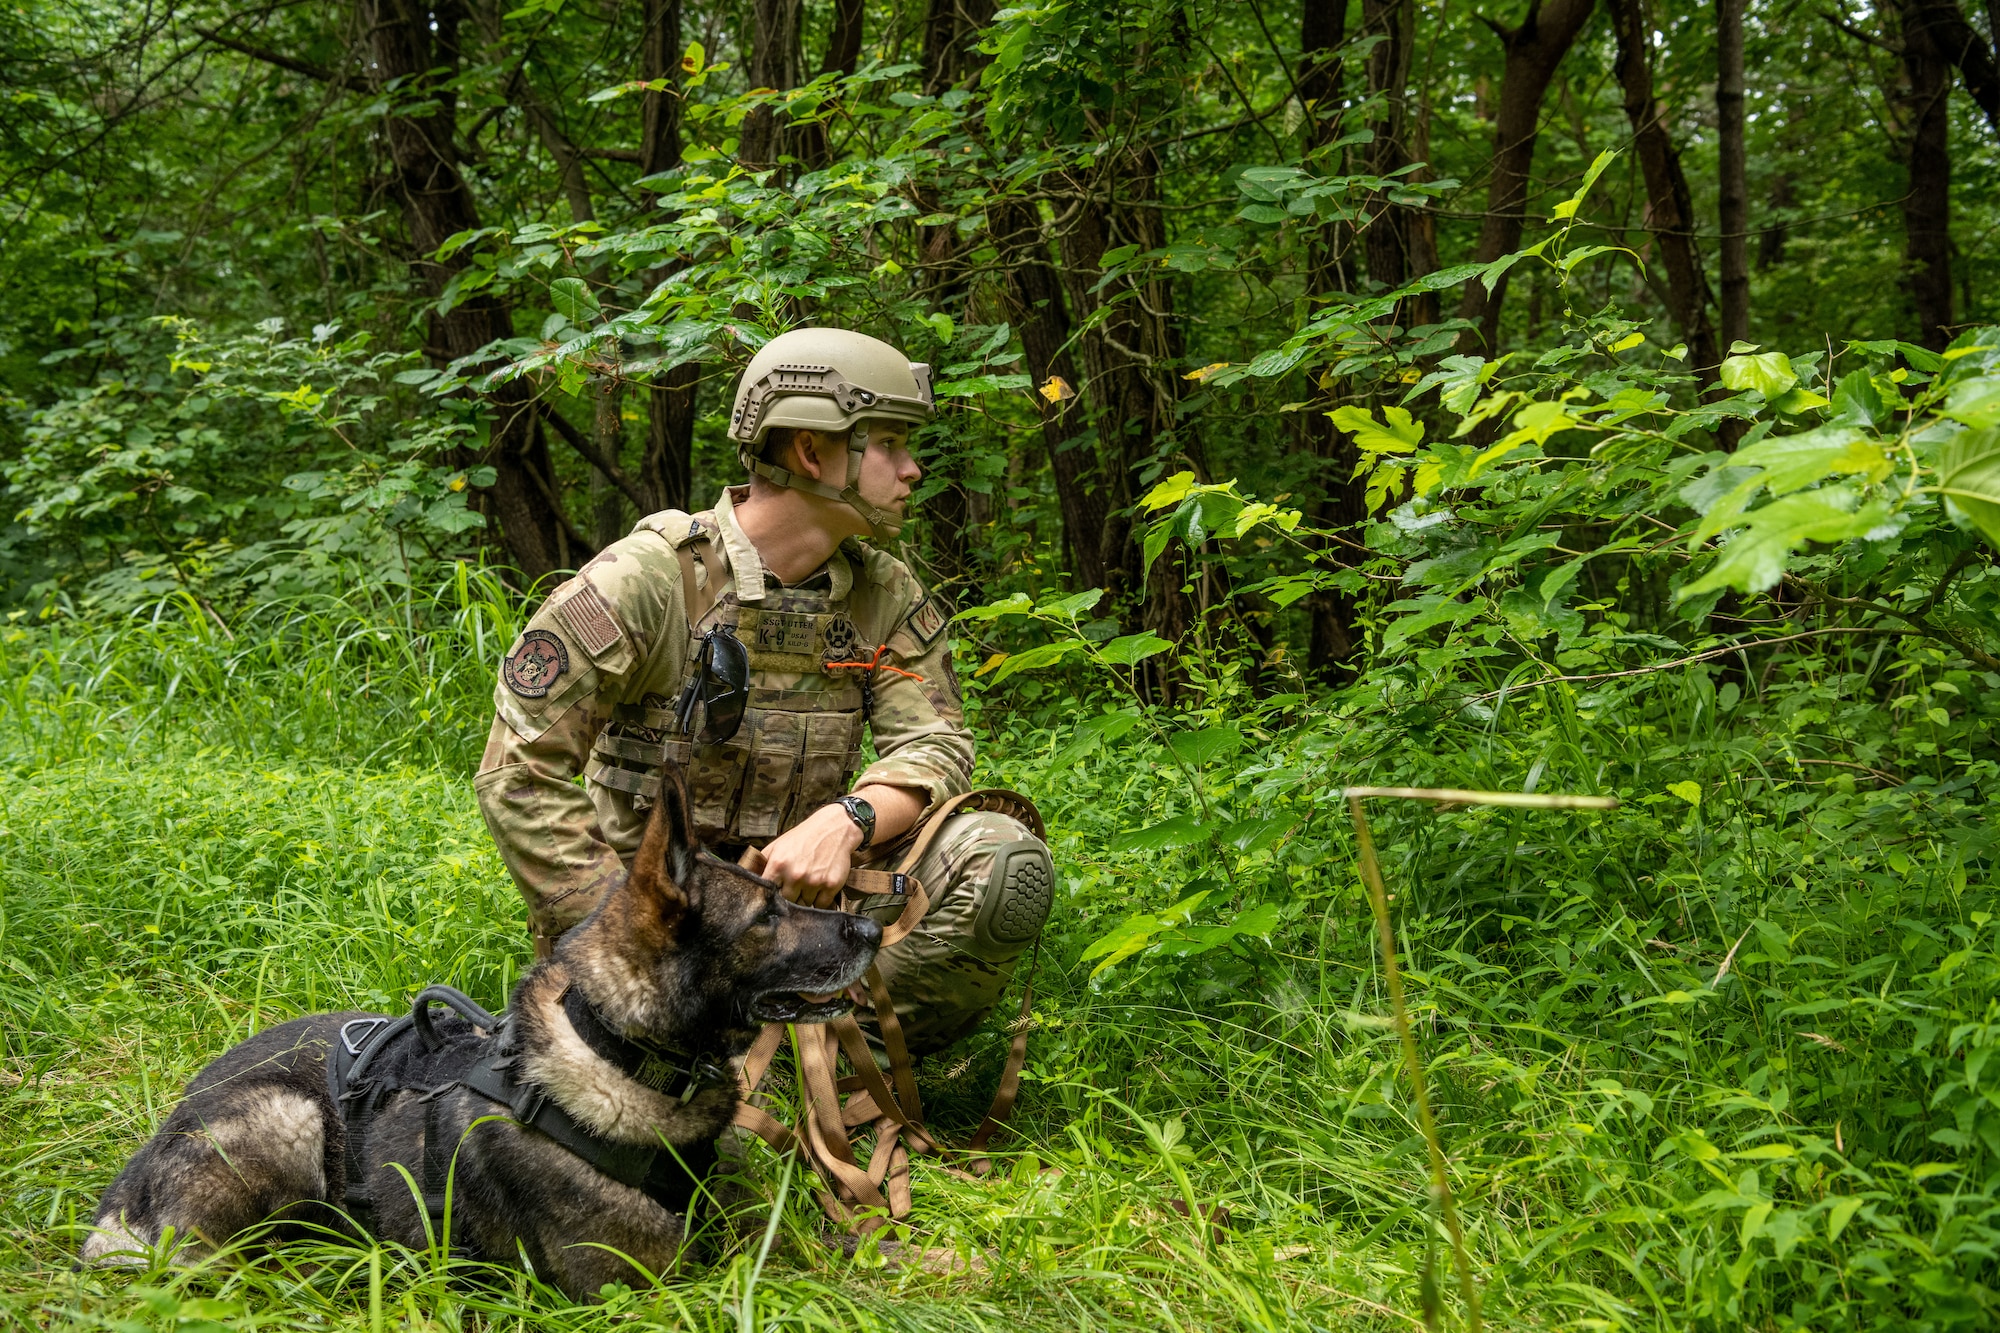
x=711, y=707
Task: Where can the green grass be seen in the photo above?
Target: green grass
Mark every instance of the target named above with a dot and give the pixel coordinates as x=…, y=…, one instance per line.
x=1639, y=1136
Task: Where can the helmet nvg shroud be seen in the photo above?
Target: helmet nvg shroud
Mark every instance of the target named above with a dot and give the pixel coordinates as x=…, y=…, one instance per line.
x=828, y=380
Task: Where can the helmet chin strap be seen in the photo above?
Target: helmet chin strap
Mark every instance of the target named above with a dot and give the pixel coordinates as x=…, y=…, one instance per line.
x=883, y=526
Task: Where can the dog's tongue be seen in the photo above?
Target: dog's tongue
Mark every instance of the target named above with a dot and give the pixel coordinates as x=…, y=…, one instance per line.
x=810, y=998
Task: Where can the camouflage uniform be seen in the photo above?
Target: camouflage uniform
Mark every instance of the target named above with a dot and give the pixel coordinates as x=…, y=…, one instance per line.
x=589, y=689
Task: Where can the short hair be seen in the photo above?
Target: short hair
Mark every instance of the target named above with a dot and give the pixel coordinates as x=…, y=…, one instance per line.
x=779, y=438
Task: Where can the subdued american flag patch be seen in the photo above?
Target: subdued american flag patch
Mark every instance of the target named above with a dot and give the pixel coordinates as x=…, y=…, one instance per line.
x=587, y=616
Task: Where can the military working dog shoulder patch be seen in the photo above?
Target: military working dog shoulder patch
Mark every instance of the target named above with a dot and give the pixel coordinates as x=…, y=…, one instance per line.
x=533, y=668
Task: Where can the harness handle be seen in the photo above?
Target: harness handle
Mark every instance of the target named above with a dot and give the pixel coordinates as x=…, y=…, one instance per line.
x=467, y=1007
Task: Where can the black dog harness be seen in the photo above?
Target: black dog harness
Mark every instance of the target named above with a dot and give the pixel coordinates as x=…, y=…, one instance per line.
x=377, y=1057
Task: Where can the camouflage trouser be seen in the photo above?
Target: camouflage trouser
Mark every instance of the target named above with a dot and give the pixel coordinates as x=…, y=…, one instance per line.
x=991, y=885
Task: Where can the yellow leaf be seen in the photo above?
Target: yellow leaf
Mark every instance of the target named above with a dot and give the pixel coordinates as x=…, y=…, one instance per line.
x=1628, y=342
x=991, y=662
x=1206, y=371
x=1056, y=389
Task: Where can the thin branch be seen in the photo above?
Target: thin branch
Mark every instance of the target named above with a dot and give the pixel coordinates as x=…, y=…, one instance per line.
x=578, y=441
x=1681, y=661
x=1916, y=620
x=285, y=62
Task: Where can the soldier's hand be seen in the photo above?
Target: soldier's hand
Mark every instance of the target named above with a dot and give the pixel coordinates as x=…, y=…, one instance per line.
x=813, y=857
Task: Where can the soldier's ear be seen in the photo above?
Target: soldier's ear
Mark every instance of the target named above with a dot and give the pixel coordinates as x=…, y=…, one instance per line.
x=663, y=871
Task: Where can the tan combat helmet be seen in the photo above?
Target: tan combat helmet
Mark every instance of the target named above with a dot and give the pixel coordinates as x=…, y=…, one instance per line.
x=827, y=380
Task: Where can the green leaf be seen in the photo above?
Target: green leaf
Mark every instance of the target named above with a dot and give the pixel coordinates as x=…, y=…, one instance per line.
x=1687, y=791
x=1769, y=373
x=1493, y=272
x=1257, y=923
x=1123, y=940
x=1567, y=208
x=1794, y=462
x=1974, y=403
x=1206, y=745
x=1430, y=611
x=1797, y=399
x=978, y=384
x=1091, y=734
x=1018, y=604
x=1968, y=476
x=1837, y=1217
x=1399, y=436
x=1156, y=541
x=1856, y=399
x=1754, y=558
x=1129, y=649
x=1043, y=655
x=1169, y=492
x=1534, y=424
x=1072, y=606
x=574, y=300
x=1180, y=831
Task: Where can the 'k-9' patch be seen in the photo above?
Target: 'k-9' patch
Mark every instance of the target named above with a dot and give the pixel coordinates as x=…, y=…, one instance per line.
x=532, y=669
x=929, y=619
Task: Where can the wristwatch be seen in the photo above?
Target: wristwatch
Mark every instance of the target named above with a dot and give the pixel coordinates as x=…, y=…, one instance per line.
x=863, y=815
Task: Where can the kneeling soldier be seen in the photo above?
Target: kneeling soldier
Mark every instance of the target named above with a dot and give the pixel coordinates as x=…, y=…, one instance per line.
x=751, y=645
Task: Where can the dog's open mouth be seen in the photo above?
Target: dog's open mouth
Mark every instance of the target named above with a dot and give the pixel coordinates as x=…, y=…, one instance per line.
x=794, y=1006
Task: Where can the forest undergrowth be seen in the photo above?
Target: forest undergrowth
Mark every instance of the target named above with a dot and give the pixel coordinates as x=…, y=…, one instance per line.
x=1714, y=1059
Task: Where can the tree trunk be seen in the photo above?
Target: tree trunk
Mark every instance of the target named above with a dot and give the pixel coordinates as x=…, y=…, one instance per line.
x=607, y=507
x=1958, y=42
x=774, y=65
x=947, y=276
x=950, y=28
x=843, y=44
x=1386, y=237
x=1035, y=293
x=1334, y=635
x=1129, y=359
x=1533, y=51
x=1669, y=205
x=667, y=470
x=1927, y=204
x=409, y=44
x=843, y=56
x=1733, y=185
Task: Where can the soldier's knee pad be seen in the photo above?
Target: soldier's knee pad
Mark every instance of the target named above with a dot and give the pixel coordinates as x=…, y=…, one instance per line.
x=1019, y=893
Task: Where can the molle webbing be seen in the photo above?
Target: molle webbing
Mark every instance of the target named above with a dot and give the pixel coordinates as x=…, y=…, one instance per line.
x=799, y=744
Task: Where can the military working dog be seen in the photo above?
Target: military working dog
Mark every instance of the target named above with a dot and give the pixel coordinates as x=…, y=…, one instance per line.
x=625, y=1043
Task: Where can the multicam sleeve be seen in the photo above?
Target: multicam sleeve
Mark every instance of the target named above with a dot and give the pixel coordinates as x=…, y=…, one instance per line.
x=557, y=687
x=918, y=721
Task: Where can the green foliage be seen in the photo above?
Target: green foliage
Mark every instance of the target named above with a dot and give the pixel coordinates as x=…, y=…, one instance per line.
x=187, y=471
x=1715, y=1058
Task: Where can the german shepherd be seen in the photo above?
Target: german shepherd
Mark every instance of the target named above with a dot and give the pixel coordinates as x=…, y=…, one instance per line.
x=691, y=953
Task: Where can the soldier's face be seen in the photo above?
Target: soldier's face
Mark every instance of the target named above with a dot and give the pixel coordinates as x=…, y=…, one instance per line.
x=887, y=469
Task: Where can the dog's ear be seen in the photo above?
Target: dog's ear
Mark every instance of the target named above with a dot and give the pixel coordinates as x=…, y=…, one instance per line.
x=663, y=871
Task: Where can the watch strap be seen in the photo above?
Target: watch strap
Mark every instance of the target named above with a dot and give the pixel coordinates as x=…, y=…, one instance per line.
x=863, y=815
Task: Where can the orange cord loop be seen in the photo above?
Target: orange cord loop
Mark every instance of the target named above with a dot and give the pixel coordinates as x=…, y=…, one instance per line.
x=872, y=665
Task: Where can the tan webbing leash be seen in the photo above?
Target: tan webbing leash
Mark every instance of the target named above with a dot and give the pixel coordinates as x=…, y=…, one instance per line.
x=871, y=1196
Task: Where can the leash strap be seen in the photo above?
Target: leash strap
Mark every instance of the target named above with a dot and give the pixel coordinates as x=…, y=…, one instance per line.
x=865, y=1199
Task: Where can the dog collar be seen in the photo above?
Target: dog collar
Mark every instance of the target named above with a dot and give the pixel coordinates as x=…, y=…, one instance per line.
x=669, y=1072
